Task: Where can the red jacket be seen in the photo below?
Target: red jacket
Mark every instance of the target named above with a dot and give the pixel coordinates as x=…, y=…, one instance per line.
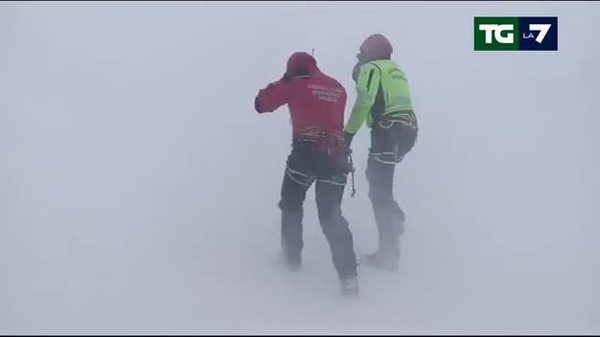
x=315, y=100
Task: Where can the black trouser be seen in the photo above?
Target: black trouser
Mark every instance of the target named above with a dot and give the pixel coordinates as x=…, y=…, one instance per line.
x=391, y=140
x=302, y=170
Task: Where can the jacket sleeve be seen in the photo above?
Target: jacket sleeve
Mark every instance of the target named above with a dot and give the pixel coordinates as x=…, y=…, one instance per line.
x=367, y=85
x=272, y=97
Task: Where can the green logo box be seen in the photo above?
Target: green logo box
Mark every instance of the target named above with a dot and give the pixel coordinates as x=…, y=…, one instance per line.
x=496, y=33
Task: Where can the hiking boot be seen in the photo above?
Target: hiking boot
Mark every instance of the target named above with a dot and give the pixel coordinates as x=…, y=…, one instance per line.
x=383, y=261
x=350, y=286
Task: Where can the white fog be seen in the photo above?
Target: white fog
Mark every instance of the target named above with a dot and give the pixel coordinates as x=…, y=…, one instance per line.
x=139, y=187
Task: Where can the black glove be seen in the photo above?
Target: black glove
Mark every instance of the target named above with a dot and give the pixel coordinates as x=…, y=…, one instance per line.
x=289, y=76
x=286, y=77
x=257, y=105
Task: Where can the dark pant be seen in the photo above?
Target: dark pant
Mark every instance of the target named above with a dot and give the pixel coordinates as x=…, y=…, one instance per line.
x=301, y=172
x=390, y=142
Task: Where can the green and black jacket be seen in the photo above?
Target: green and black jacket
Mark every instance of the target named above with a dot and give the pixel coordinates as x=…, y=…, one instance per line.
x=382, y=91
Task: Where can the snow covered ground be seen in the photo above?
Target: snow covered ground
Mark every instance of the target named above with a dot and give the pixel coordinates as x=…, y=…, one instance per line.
x=138, y=187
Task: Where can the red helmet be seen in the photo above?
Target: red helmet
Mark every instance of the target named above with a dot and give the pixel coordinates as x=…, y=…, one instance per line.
x=301, y=62
x=376, y=47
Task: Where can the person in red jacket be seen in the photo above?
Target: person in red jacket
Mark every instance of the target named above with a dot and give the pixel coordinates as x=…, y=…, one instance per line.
x=319, y=154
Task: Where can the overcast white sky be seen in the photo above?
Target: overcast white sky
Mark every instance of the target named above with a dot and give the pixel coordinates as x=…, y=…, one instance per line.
x=138, y=187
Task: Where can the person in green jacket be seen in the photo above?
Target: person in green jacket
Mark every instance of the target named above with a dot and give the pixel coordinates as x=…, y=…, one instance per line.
x=384, y=102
